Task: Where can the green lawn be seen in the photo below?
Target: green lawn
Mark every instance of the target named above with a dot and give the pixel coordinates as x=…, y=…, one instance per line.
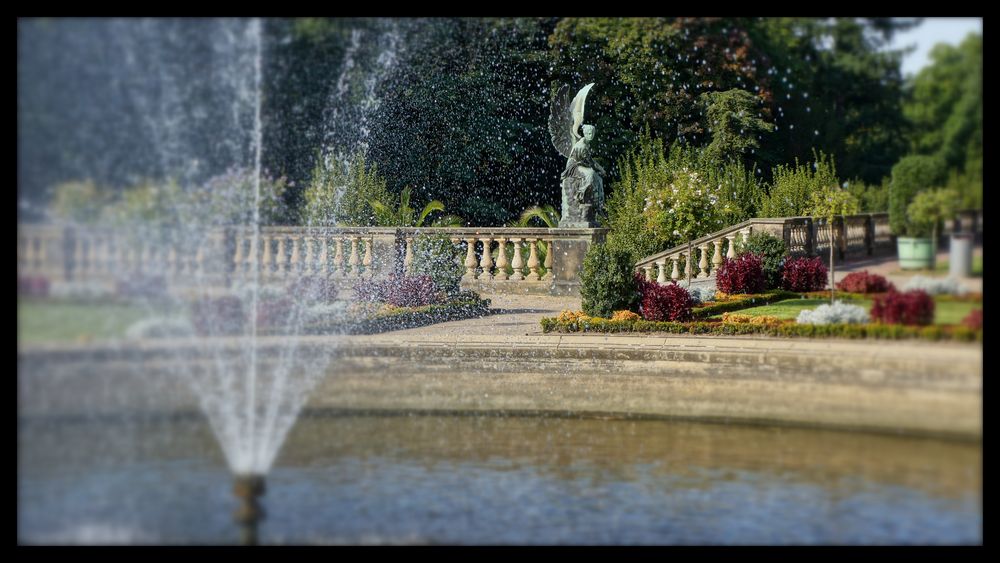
x=40, y=321
x=945, y=312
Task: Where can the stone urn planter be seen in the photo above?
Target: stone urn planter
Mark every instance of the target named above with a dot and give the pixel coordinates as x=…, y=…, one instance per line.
x=915, y=253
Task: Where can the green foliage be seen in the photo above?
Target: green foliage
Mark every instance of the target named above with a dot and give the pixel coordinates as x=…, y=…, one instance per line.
x=830, y=202
x=734, y=123
x=772, y=251
x=406, y=216
x=910, y=176
x=743, y=302
x=436, y=256
x=607, y=283
x=930, y=208
x=871, y=198
x=546, y=214
x=791, y=192
x=342, y=196
x=80, y=202
x=968, y=186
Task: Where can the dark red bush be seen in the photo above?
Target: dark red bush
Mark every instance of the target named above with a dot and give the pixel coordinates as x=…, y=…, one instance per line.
x=974, y=319
x=911, y=308
x=400, y=291
x=804, y=274
x=313, y=289
x=669, y=302
x=218, y=316
x=33, y=286
x=863, y=282
x=743, y=274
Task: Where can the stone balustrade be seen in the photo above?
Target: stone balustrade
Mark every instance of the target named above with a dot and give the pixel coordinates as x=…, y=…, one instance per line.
x=495, y=259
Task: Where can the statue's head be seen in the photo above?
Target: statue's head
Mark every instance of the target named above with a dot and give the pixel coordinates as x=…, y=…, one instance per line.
x=588, y=132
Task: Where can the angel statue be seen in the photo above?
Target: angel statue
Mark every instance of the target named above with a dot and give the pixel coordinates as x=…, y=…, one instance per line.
x=582, y=183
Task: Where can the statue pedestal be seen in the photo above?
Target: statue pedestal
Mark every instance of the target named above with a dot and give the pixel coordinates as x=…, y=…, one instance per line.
x=569, y=252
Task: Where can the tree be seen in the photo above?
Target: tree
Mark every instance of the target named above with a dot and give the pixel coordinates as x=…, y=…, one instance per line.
x=829, y=203
x=734, y=125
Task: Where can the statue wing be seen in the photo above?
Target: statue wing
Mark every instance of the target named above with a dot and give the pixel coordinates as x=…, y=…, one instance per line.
x=577, y=109
x=561, y=122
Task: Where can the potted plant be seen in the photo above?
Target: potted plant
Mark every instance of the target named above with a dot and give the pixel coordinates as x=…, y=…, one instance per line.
x=911, y=176
x=927, y=211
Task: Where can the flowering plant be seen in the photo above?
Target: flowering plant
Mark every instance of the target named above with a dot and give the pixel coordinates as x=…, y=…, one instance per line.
x=686, y=208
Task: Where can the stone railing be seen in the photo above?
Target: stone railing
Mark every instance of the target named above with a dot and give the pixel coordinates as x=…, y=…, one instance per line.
x=502, y=259
x=854, y=235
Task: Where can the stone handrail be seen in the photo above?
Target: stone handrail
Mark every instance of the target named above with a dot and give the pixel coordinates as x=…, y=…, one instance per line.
x=533, y=260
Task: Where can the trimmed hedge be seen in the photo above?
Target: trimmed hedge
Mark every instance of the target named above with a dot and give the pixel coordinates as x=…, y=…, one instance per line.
x=873, y=331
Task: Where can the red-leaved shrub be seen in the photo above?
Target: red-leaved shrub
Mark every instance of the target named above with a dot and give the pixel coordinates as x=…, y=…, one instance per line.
x=804, y=274
x=399, y=291
x=974, y=319
x=863, y=282
x=743, y=274
x=33, y=286
x=669, y=302
x=911, y=308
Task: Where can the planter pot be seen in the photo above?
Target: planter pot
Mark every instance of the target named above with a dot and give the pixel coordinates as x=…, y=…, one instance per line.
x=960, y=255
x=915, y=253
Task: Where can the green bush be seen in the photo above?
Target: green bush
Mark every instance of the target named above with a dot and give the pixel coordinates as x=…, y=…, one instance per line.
x=910, y=176
x=340, y=196
x=607, y=283
x=436, y=256
x=872, y=198
x=793, y=186
x=772, y=251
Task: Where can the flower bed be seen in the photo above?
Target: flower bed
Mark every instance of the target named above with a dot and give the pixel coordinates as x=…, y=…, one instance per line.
x=872, y=330
x=737, y=302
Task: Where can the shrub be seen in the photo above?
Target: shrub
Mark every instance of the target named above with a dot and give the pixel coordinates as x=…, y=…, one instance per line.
x=743, y=274
x=700, y=293
x=910, y=308
x=974, y=319
x=793, y=185
x=838, y=313
x=910, y=176
x=399, y=291
x=751, y=319
x=935, y=286
x=437, y=257
x=33, y=286
x=313, y=289
x=625, y=316
x=772, y=251
x=217, y=316
x=804, y=274
x=669, y=302
x=863, y=282
x=607, y=283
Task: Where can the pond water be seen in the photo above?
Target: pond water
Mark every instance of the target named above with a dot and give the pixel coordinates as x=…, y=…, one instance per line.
x=347, y=478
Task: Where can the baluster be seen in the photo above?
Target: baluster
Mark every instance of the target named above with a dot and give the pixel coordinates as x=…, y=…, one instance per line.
x=238, y=258
x=408, y=257
x=703, y=264
x=687, y=264
x=674, y=272
x=731, y=242
x=281, y=257
x=338, y=257
x=354, y=260
x=268, y=258
x=309, y=264
x=661, y=275
x=717, y=257
x=324, y=265
x=549, y=257
x=517, y=263
x=501, y=259
x=533, y=260
x=367, y=262
x=486, y=262
x=294, y=266
x=470, y=259
x=78, y=257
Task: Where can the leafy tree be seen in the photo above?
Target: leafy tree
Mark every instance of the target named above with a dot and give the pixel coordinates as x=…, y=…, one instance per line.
x=791, y=193
x=734, y=124
x=829, y=203
x=336, y=196
x=910, y=176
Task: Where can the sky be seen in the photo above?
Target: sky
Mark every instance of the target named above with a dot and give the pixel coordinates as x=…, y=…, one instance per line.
x=930, y=32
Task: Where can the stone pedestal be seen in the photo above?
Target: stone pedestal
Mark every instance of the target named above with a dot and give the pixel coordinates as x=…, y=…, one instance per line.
x=570, y=249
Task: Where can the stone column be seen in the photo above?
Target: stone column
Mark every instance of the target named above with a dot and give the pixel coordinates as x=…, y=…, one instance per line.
x=687, y=265
x=408, y=257
x=338, y=257
x=295, y=266
x=661, y=276
x=470, y=260
x=354, y=261
x=549, y=257
x=501, y=259
x=703, y=263
x=486, y=261
x=517, y=263
x=648, y=271
x=532, y=260
x=675, y=273
x=367, y=262
x=324, y=257
x=731, y=244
